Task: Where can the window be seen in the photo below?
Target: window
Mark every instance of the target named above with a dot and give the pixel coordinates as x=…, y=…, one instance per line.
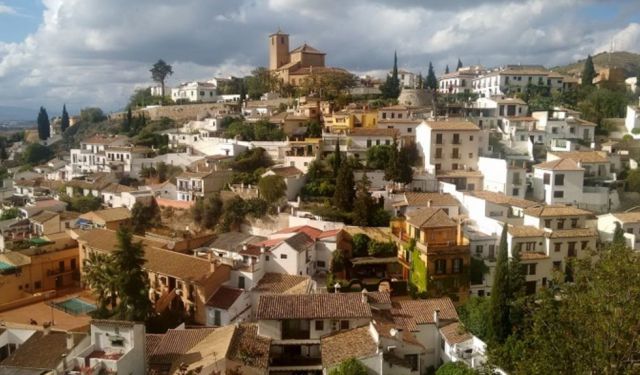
x=438, y=167
x=584, y=245
x=471, y=155
x=481, y=293
x=574, y=223
x=283, y=256
x=319, y=325
x=409, y=130
x=547, y=178
x=457, y=265
x=241, y=282
x=368, y=143
x=344, y=324
x=217, y=321
x=558, y=180
x=572, y=249
x=266, y=258
x=557, y=266
x=454, y=166
x=320, y=264
x=479, y=250
x=560, y=223
x=557, y=247
x=73, y=264
x=37, y=285
x=438, y=139
x=412, y=359
x=547, y=223
x=438, y=153
x=492, y=251
x=558, y=194
x=530, y=269
x=471, y=138
x=441, y=266
x=456, y=139
x=630, y=230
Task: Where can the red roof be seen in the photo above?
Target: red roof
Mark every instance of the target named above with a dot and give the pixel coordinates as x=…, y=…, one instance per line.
x=310, y=231
x=224, y=297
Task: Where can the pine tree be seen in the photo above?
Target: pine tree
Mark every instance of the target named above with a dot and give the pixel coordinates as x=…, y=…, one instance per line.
x=500, y=323
x=363, y=206
x=588, y=72
x=345, y=184
x=446, y=70
x=391, y=88
x=459, y=65
x=337, y=158
x=64, y=122
x=133, y=283
x=44, y=126
x=432, y=81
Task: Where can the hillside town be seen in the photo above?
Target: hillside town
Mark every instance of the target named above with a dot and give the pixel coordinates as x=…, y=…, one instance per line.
x=306, y=220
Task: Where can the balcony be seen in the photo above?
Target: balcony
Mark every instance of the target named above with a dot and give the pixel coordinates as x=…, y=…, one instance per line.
x=295, y=334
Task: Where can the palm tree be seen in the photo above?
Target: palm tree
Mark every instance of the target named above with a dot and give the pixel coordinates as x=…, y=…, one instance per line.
x=101, y=276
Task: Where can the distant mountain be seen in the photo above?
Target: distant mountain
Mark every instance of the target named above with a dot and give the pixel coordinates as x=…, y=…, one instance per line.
x=17, y=114
x=628, y=61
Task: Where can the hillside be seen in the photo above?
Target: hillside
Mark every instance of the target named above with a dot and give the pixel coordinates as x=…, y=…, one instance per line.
x=629, y=61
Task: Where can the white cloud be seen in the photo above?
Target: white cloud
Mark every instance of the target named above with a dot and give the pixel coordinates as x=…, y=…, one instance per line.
x=5, y=9
x=94, y=52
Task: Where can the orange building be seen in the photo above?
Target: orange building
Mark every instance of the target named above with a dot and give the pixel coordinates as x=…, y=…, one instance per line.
x=434, y=254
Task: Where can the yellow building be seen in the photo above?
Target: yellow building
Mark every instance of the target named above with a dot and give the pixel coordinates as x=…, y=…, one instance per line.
x=40, y=267
x=349, y=119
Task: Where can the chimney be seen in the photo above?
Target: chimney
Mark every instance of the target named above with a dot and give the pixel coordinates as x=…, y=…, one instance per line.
x=436, y=317
x=210, y=256
x=263, y=249
x=429, y=203
x=245, y=247
x=336, y=287
x=364, y=297
x=70, y=343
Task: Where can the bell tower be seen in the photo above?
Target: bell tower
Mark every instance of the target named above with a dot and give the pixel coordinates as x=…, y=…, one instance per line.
x=278, y=50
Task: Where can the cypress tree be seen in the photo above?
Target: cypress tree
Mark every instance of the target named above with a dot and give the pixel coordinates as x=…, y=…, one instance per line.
x=133, y=283
x=432, y=81
x=446, y=70
x=345, y=184
x=459, y=65
x=391, y=88
x=64, y=122
x=500, y=323
x=419, y=81
x=405, y=172
x=391, y=172
x=588, y=72
x=364, y=206
x=44, y=129
x=517, y=290
x=337, y=158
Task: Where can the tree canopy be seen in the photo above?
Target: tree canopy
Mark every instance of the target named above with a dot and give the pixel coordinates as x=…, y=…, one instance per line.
x=159, y=73
x=272, y=188
x=349, y=367
x=588, y=72
x=391, y=88
x=431, y=81
x=64, y=121
x=44, y=126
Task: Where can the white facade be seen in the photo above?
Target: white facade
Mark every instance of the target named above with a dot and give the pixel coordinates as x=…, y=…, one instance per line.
x=195, y=92
x=514, y=79
x=448, y=149
x=558, y=186
x=632, y=120
x=503, y=177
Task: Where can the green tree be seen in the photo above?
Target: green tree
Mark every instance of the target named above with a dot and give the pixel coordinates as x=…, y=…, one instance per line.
x=459, y=65
x=363, y=206
x=314, y=129
x=590, y=325
x=126, y=123
x=36, y=153
x=44, y=126
x=251, y=160
x=145, y=216
x=456, y=368
x=588, y=72
x=272, y=188
x=101, y=275
x=517, y=291
x=212, y=211
x=64, y=121
x=500, y=322
x=133, y=282
x=92, y=115
x=345, y=188
x=9, y=213
x=431, y=81
x=391, y=88
x=360, y=244
x=379, y=156
x=142, y=98
x=260, y=81
x=159, y=73
x=337, y=158
x=618, y=236
x=391, y=172
x=349, y=367
x=475, y=315
x=405, y=172
x=233, y=214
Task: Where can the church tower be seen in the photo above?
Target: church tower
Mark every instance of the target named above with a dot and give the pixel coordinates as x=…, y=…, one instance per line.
x=278, y=50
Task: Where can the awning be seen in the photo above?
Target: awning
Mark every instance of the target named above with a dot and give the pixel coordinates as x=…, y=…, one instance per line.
x=84, y=222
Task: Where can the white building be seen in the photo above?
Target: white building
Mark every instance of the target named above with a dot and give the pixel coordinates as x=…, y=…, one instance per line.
x=632, y=120
x=558, y=181
x=513, y=79
x=406, y=78
x=628, y=221
x=565, y=124
x=503, y=176
x=459, y=81
x=195, y=92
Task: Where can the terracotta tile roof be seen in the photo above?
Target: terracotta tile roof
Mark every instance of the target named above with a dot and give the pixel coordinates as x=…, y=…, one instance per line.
x=575, y=232
x=532, y=255
x=410, y=313
x=313, y=306
x=503, y=199
x=342, y=345
x=278, y=283
x=559, y=165
x=627, y=217
x=41, y=351
x=305, y=48
x=307, y=229
x=429, y=217
x=233, y=241
x=329, y=233
x=180, y=266
x=44, y=216
x=457, y=124
x=458, y=173
x=299, y=241
x=556, y=210
x=382, y=234
x=374, y=132
x=107, y=241
x=583, y=156
x=206, y=352
x=384, y=325
x=286, y=171
x=117, y=188
x=248, y=347
x=525, y=231
x=175, y=343
x=455, y=333
x=224, y=297
x=424, y=199
x=378, y=298
x=110, y=214
x=270, y=242
x=152, y=341
x=194, y=175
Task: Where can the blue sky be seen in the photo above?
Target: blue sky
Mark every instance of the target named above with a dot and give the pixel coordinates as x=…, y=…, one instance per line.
x=96, y=52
